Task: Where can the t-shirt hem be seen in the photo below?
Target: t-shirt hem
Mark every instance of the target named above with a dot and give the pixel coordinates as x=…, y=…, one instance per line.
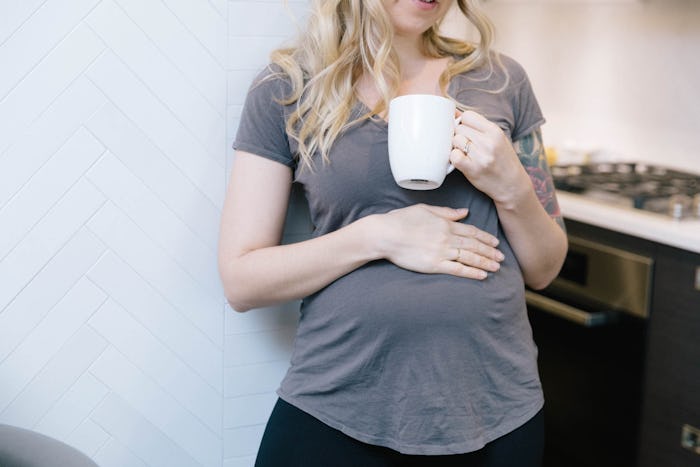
x=251, y=148
x=428, y=449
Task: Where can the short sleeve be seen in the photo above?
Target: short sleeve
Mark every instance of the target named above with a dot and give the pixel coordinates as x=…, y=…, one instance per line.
x=526, y=110
x=261, y=130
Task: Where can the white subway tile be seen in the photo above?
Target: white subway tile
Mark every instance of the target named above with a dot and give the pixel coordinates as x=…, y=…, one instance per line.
x=154, y=217
x=239, y=81
x=45, y=82
x=244, y=461
x=46, y=135
x=73, y=408
x=114, y=454
x=183, y=49
x=133, y=148
x=88, y=437
x=148, y=307
x=17, y=13
x=139, y=436
x=248, y=410
x=254, y=379
x=171, y=133
x=266, y=18
x=62, y=371
x=46, y=289
x=128, y=241
x=36, y=349
x=47, y=185
x=205, y=21
x=234, y=119
x=251, y=52
x=47, y=237
x=158, y=407
x=142, y=348
x=242, y=441
x=221, y=6
x=199, y=105
x=35, y=38
x=259, y=347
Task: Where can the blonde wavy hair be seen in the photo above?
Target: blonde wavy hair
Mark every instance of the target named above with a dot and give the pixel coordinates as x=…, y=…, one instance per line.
x=345, y=39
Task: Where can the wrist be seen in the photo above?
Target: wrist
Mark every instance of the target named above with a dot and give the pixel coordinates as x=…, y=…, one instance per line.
x=514, y=194
x=370, y=233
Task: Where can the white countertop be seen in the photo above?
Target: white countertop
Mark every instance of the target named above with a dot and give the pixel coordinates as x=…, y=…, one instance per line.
x=684, y=234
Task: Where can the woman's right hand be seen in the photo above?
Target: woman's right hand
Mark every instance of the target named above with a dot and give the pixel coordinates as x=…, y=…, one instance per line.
x=430, y=239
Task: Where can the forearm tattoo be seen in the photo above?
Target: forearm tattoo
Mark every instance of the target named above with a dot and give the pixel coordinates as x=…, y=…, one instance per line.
x=530, y=150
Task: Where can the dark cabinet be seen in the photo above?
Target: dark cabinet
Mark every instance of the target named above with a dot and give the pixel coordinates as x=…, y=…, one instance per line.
x=672, y=381
x=649, y=417
x=592, y=369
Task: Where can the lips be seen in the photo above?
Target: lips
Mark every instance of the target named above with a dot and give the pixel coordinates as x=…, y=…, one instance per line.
x=427, y=4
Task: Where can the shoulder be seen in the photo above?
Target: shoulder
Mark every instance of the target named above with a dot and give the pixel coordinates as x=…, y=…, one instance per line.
x=500, y=89
x=499, y=72
x=272, y=81
x=512, y=67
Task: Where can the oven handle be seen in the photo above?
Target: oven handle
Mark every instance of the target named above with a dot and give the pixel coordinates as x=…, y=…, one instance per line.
x=568, y=312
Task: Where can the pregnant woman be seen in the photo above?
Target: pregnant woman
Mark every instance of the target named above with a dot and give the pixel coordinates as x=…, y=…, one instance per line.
x=413, y=346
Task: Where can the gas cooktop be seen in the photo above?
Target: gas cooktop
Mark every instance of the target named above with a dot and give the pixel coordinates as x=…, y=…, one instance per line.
x=641, y=186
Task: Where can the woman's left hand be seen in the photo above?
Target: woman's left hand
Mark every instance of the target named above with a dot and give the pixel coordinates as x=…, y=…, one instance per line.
x=486, y=157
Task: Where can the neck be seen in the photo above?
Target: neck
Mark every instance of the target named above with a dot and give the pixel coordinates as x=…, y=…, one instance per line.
x=408, y=50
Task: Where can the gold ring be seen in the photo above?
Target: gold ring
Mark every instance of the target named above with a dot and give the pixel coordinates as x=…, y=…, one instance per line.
x=466, y=147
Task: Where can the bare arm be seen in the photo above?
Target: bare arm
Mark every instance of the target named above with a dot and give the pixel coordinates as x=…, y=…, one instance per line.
x=257, y=271
x=516, y=178
x=530, y=151
x=532, y=220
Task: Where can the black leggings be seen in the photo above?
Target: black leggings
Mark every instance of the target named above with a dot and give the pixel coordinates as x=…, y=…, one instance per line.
x=294, y=438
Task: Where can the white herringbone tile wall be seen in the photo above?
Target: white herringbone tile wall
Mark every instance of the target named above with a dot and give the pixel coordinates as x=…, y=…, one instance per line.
x=113, y=146
x=116, y=120
x=114, y=154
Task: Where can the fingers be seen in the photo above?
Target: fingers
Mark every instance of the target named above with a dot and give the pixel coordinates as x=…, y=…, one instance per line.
x=478, y=122
x=440, y=243
x=460, y=160
x=480, y=256
x=465, y=145
x=461, y=270
x=466, y=231
x=464, y=133
x=476, y=252
x=474, y=135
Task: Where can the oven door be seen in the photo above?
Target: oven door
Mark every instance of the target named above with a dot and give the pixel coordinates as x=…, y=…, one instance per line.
x=589, y=327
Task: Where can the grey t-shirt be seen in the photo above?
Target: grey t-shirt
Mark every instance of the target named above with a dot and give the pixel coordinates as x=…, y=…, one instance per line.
x=421, y=363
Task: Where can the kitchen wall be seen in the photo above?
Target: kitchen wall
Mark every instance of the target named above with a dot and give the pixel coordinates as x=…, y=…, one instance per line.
x=116, y=119
x=617, y=75
x=112, y=161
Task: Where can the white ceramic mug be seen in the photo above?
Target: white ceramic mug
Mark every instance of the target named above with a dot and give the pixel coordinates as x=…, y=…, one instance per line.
x=421, y=127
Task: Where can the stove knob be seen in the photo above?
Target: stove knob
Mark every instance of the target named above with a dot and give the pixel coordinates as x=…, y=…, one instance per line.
x=696, y=206
x=679, y=205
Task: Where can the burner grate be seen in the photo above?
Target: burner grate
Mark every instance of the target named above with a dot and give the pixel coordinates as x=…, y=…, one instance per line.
x=641, y=186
